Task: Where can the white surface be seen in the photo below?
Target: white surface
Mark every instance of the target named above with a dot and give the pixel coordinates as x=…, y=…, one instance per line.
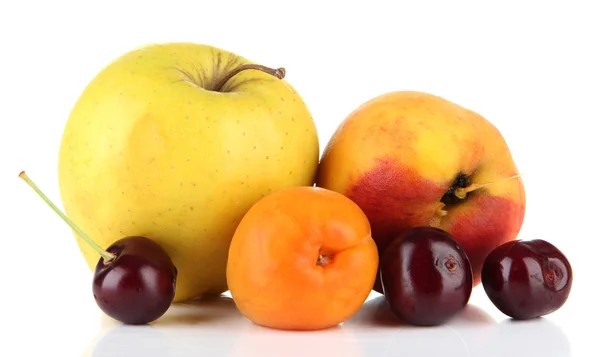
x=533, y=70
x=215, y=327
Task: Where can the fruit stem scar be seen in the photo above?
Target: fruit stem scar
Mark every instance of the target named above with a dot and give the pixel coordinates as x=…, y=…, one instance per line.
x=450, y=264
x=324, y=260
x=461, y=192
x=279, y=73
x=106, y=255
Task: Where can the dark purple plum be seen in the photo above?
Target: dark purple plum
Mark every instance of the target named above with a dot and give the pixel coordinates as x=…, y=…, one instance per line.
x=527, y=279
x=426, y=276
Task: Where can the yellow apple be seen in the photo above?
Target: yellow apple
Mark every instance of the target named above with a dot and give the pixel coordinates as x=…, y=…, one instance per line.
x=171, y=142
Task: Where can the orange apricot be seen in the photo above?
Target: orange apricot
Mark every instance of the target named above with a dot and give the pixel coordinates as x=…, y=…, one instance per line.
x=302, y=258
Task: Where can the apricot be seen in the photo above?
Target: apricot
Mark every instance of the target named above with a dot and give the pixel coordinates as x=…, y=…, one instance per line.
x=302, y=258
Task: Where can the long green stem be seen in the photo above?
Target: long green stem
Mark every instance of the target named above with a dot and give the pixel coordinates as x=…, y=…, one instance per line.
x=106, y=255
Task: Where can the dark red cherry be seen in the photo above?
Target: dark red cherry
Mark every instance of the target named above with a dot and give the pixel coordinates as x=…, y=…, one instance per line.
x=426, y=276
x=527, y=279
x=138, y=285
x=134, y=280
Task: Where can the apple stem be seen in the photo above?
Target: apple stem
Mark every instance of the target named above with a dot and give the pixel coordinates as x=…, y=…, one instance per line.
x=279, y=73
x=461, y=192
x=106, y=255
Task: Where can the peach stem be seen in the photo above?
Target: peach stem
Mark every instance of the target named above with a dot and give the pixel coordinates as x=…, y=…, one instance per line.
x=440, y=212
x=461, y=192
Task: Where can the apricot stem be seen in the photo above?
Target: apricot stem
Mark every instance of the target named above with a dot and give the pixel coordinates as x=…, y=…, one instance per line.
x=106, y=255
x=461, y=192
x=324, y=260
x=279, y=73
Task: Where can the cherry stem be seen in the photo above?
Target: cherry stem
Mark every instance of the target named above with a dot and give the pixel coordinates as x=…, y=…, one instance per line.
x=106, y=255
x=461, y=192
x=279, y=73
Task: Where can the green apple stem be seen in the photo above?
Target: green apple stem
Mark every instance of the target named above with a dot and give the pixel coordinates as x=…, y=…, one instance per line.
x=279, y=73
x=461, y=192
x=106, y=255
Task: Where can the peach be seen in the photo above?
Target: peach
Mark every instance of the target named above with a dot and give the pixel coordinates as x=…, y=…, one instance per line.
x=415, y=159
x=302, y=258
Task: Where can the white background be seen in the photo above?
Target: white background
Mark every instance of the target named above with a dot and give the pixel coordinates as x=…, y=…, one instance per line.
x=532, y=68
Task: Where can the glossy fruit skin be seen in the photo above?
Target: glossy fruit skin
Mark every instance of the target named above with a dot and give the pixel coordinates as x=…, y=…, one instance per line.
x=138, y=286
x=426, y=276
x=302, y=258
x=527, y=279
